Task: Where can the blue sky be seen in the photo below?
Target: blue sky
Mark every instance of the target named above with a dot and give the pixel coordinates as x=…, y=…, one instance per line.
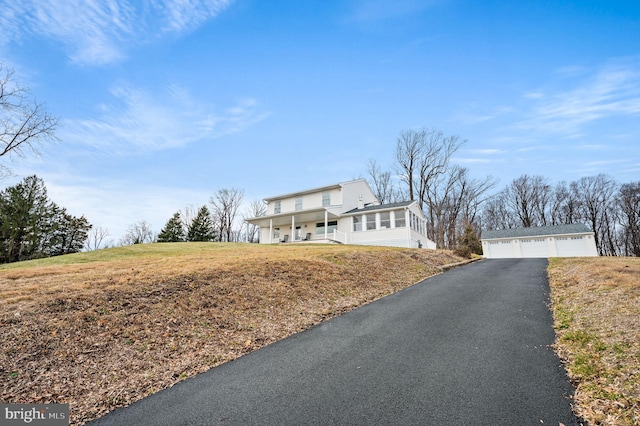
x=163, y=102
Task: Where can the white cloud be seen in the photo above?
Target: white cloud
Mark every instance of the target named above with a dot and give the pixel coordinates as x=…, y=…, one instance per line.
x=376, y=10
x=487, y=151
x=98, y=32
x=611, y=91
x=140, y=122
x=465, y=160
x=534, y=95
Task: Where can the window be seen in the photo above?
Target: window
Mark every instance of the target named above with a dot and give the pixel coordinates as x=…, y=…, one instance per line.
x=276, y=207
x=371, y=221
x=576, y=238
x=326, y=199
x=400, y=219
x=276, y=233
x=357, y=223
x=331, y=226
x=414, y=221
x=298, y=203
x=385, y=220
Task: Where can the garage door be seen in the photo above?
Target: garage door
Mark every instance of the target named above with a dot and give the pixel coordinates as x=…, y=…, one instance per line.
x=572, y=246
x=501, y=249
x=534, y=247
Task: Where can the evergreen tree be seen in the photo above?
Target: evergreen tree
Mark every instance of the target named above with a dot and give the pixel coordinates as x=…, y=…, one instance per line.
x=469, y=243
x=173, y=231
x=31, y=226
x=65, y=233
x=201, y=228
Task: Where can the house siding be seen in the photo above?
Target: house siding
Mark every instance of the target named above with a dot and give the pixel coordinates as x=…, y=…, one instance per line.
x=303, y=210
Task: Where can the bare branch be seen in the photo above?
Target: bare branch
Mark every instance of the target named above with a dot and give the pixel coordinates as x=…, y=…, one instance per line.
x=24, y=123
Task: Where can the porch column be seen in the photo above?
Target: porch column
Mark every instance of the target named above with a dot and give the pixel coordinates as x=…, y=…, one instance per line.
x=293, y=228
x=270, y=231
x=326, y=224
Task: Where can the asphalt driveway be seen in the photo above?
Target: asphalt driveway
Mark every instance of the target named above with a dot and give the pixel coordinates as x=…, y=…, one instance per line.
x=468, y=347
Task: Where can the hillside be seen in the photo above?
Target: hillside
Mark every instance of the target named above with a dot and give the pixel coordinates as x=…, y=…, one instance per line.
x=102, y=329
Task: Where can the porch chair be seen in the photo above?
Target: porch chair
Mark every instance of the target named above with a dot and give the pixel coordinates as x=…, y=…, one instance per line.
x=307, y=237
x=285, y=239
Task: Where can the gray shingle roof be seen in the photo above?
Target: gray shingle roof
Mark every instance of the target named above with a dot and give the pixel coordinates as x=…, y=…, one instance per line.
x=536, y=231
x=380, y=207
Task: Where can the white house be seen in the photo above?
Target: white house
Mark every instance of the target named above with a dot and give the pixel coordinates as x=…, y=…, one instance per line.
x=543, y=241
x=346, y=213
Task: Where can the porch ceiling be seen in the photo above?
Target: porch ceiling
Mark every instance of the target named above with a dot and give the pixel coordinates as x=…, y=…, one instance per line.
x=282, y=219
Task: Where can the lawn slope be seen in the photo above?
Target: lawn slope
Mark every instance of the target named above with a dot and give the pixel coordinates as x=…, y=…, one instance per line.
x=102, y=329
x=596, y=305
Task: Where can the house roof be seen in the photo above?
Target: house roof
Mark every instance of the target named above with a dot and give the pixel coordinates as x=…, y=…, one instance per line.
x=536, y=231
x=312, y=190
x=380, y=207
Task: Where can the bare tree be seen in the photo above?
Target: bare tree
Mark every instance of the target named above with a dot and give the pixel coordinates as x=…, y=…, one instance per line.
x=475, y=196
x=23, y=121
x=382, y=184
x=497, y=215
x=256, y=208
x=453, y=200
x=188, y=214
x=138, y=233
x=409, y=149
x=528, y=197
x=442, y=198
x=597, y=194
x=96, y=238
x=434, y=162
x=565, y=204
x=226, y=203
x=628, y=201
x=422, y=156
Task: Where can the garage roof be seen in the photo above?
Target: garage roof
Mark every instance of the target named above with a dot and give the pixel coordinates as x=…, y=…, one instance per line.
x=536, y=231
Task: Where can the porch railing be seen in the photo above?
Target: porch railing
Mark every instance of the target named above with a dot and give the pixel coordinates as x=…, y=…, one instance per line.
x=339, y=236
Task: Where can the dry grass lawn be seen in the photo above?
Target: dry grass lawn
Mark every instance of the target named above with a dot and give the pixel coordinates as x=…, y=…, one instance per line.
x=596, y=304
x=100, y=330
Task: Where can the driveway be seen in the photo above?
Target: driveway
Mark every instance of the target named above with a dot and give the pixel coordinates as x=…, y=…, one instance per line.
x=467, y=347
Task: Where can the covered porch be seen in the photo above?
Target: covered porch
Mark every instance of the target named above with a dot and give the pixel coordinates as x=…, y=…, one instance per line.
x=318, y=226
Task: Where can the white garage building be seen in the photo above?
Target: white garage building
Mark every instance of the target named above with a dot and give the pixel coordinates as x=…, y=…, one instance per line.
x=543, y=241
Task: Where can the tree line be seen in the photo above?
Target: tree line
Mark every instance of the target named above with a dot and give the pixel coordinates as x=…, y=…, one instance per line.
x=458, y=207
x=216, y=222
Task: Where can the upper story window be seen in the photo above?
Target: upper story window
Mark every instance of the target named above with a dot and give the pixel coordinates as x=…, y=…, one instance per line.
x=298, y=203
x=326, y=199
x=277, y=207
